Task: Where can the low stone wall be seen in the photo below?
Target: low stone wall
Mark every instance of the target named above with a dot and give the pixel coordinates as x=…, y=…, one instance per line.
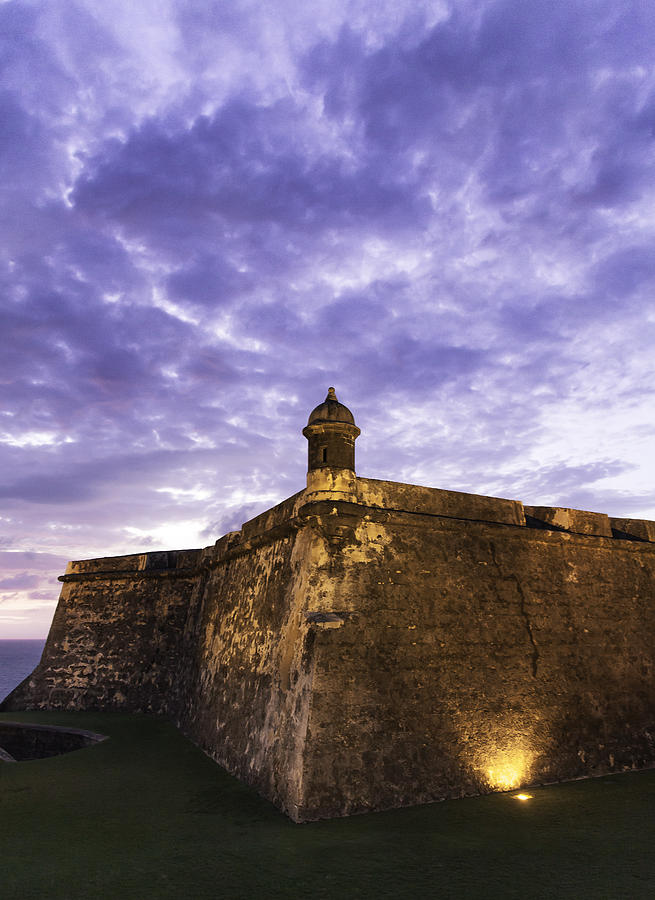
x=22, y=740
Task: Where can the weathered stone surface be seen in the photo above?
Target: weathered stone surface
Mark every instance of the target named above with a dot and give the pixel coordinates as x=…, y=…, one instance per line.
x=475, y=656
x=116, y=641
x=578, y=521
x=459, y=655
x=633, y=529
x=249, y=687
x=436, y=502
x=367, y=644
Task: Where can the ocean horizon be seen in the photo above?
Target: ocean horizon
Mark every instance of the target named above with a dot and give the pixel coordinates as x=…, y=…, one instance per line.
x=18, y=658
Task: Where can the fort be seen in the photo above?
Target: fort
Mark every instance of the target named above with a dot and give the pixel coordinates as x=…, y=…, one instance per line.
x=367, y=644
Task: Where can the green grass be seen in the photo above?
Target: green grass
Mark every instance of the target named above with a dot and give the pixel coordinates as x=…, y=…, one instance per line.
x=147, y=815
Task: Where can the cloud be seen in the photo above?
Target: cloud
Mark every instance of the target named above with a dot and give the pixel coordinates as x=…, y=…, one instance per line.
x=212, y=214
x=22, y=581
x=624, y=272
x=236, y=178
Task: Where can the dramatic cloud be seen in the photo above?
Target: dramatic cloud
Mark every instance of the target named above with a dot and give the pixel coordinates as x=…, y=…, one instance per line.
x=214, y=211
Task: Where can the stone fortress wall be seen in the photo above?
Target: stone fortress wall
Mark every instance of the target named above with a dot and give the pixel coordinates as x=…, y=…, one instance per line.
x=368, y=644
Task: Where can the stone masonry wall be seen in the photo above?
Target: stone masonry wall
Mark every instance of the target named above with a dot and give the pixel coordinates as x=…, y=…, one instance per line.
x=411, y=645
x=116, y=639
x=474, y=656
x=209, y=638
x=250, y=690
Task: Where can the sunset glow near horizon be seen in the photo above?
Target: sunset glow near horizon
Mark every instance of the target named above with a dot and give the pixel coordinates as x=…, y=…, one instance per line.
x=214, y=211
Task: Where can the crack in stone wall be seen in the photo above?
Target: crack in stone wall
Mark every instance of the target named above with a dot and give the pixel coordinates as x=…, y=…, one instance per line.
x=528, y=626
x=522, y=609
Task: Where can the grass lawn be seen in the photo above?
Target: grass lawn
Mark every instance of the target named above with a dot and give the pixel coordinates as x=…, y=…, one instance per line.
x=147, y=815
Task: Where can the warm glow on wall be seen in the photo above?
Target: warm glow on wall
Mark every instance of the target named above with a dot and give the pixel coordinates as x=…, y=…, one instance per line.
x=505, y=777
x=507, y=770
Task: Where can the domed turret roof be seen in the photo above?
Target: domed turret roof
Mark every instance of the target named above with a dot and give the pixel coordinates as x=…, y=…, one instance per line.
x=330, y=410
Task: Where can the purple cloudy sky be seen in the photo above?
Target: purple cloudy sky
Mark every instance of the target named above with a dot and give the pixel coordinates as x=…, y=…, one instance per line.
x=215, y=210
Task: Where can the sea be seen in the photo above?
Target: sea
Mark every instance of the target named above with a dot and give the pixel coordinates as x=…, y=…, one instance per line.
x=17, y=660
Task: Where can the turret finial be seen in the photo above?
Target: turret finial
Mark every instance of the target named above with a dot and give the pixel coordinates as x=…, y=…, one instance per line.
x=331, y=394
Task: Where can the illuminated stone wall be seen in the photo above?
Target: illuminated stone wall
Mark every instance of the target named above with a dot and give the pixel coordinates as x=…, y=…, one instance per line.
x=402, y=646
x=475, y=655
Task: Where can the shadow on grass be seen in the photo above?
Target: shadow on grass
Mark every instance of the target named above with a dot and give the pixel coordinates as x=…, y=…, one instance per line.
x=147, y=815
